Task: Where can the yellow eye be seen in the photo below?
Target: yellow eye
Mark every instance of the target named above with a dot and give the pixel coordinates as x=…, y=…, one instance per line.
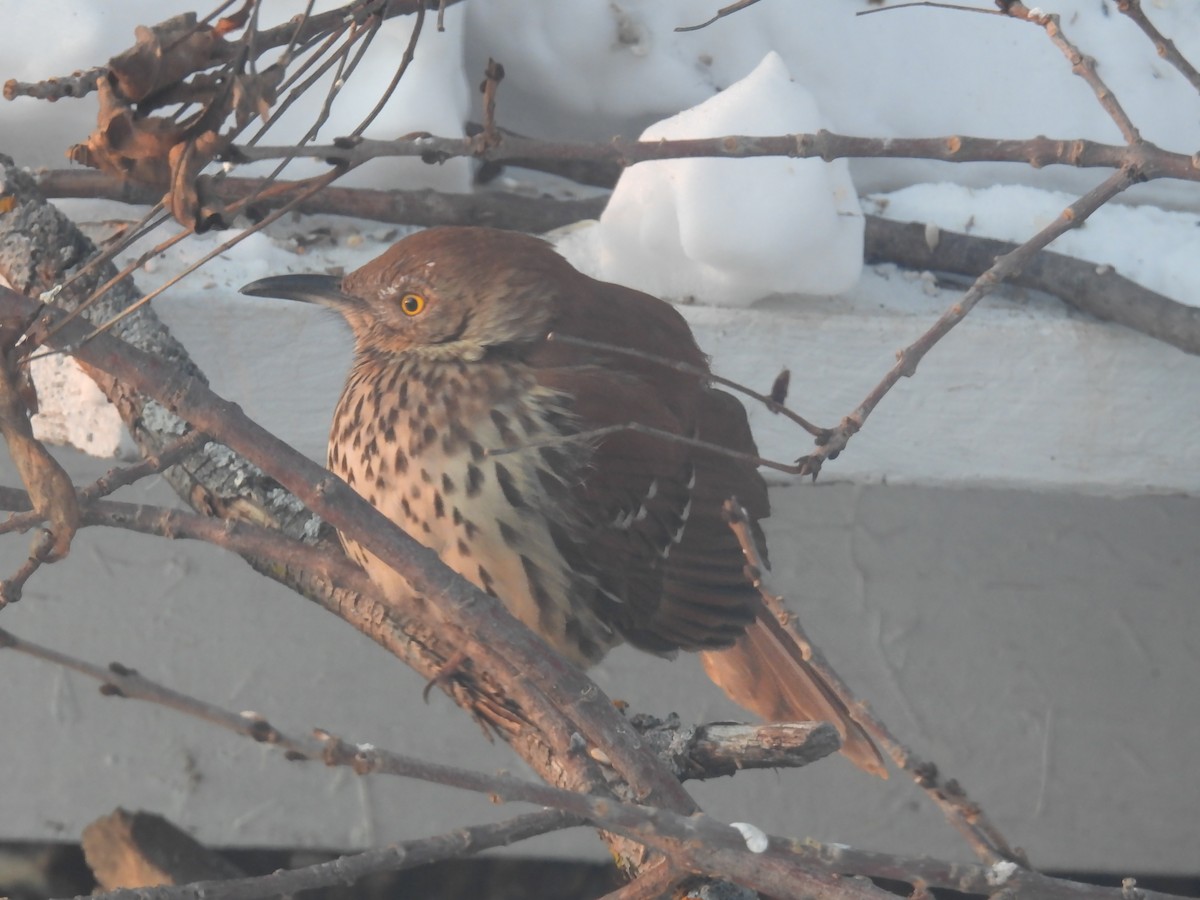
x=412, y=304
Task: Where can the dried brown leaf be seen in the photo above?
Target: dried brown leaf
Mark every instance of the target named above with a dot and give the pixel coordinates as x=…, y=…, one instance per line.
x=126, y=145
x=238, y=20
x=184, y=198
x=254, y=95
x=50, y=489
x=164, y=55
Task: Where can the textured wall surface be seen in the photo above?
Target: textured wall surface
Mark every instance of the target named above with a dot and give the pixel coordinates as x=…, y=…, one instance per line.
x=1036, y=640
x=1038, y=647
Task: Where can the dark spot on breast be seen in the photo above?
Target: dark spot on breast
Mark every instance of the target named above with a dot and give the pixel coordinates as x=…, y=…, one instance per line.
x=426, y=477
x=402, y=396
x=555, y=459
x=401, y=461
x=464, y=549
x=470, y=529
x=457, y=516
x=455, y=436
x=422, y=411
x=509, y=487
x=556, y=489
x=429, y=433
x=528, y=423
x=507, y=436
x=439, y=506
x=477, y=451
x=511, y=536
x=447, y=484
x=371, y=450
x=541, y=597
x=405, y=508
x=485, y=581
x=415, y=491
x=425, y=528
x=474, y=479
x=578, y=636
x=389, y=435
x=572, y=550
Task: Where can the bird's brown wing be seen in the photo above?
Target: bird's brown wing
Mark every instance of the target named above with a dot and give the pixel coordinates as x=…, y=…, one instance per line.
x=653, y=503
x=648, y=493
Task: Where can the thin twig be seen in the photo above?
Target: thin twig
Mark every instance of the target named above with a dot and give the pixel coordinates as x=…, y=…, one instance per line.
x=767, y=401
x=595, y=434
x=405, y=61
x=698, y=842
x=695, y=843
x=1163, y=46
x=987, y=842
x=719, y=14
x=910, y=357
x=314, y=186
x=1081, y=64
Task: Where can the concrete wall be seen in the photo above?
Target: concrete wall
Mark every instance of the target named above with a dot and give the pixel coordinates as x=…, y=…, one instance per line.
x=1039, y=644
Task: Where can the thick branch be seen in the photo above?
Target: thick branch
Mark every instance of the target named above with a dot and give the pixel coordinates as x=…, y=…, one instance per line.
x=509, y=646
x=39, y=247
x=1094, y=289
x=495, y=208
x=349, y=869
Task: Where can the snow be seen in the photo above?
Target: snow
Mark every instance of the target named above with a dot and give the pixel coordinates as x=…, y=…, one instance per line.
x=1159, y=249
x=729, y=231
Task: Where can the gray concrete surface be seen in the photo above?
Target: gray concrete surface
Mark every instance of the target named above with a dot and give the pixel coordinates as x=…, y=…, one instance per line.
x=1040, y=647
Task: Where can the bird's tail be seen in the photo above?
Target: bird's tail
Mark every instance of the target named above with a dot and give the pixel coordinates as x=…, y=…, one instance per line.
x=767, y=673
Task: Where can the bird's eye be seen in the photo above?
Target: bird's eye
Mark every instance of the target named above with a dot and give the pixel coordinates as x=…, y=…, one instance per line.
x=412, y=304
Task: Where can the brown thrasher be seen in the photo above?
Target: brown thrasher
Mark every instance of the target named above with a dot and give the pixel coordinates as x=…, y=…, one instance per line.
x=590, y=540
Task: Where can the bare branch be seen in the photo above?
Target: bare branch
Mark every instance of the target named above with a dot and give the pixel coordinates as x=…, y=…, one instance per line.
x=694, y=840
x=1039, y=152
x=720, y=14
x=1094, y=289
x=345, y=870
x=1081, y=64
x=498, y=209
x=987, y=842
x=1162, y=45
x=1004, y=267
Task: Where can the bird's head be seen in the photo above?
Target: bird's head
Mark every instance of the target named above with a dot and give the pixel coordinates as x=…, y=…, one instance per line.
x=447, y=293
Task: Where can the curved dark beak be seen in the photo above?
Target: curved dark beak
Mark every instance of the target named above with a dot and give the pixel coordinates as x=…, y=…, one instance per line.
x=323, y=289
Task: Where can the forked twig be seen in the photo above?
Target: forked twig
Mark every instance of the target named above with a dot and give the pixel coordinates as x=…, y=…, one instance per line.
x=770, y=402
x=910, y=357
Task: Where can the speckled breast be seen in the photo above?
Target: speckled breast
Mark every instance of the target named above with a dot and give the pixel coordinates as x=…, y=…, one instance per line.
x=418, y=439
